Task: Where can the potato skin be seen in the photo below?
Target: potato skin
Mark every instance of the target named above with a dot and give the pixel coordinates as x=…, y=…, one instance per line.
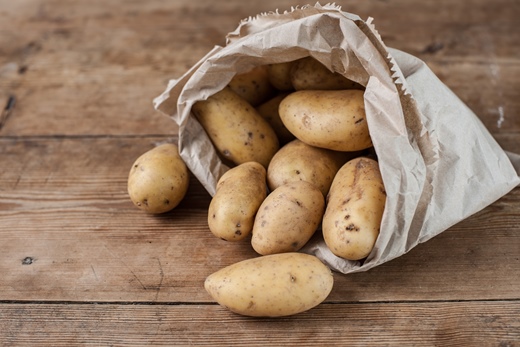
x=269, y=111
x=236, y=129
x=309, y=74
x=158, y=179
x=355, y=207
x=287, y=218
x=271, y=286
x=298, y=161
x=239, y=193
x=253, y=86
x=279, y=75
x=332, y=119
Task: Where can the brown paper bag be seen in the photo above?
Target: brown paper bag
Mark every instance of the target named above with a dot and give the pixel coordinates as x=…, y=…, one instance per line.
x=438, y=162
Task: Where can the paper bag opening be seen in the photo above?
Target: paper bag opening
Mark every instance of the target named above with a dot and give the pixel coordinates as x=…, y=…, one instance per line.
x=438, y=162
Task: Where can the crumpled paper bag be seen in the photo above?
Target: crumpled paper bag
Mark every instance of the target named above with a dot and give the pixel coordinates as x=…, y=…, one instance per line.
x=438, y=162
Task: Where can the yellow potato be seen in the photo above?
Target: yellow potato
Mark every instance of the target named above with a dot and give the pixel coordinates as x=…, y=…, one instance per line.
x=287, y=218
x=239, y=193
x=355, y=206
x=297, y=161
x=253, y=86
x=237, y=130
x=271, y=286
x=310, y=74
x=269, y=110
x=280, y=75
x=332, y=119
x=158, y=179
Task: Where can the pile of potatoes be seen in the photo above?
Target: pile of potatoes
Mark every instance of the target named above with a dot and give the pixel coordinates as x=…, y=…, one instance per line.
x=296, y=139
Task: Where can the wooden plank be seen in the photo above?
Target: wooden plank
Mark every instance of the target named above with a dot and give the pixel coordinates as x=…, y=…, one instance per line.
x=70, y=77
x=382, y=324
x=488, y=87
x=460, y=27
x=121, y=107
x=65, y=211
x=509, y=142
x=80, y=265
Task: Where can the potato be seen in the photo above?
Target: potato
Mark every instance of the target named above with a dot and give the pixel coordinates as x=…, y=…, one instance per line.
x=269, y=110
x=355, y=206
x=332, y=119
x=309, y=74
x=236, y=129
x=158, y=179
x=287, y=218
x=239, y=193
x=297, y=161
x=279, y=75
x=253, y=86
x=272, y=285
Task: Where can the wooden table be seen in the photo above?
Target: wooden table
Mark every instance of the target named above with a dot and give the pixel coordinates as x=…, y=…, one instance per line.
x=80, y=265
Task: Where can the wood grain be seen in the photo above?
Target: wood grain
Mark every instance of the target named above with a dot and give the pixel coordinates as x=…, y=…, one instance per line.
x=102, y=64
x=384, y=324
x=80, y=265
x=104, y=249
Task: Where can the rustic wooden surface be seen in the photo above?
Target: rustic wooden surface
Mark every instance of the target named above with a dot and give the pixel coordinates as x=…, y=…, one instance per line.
x=79, y=265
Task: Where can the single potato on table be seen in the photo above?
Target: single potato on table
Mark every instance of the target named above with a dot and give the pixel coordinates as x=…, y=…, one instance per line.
x=355, y=207
x=239, y=193
x=271, y=286
x=158, y=179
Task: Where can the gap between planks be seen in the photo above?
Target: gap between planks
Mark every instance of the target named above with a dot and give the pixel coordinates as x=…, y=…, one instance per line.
x=195, y=303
